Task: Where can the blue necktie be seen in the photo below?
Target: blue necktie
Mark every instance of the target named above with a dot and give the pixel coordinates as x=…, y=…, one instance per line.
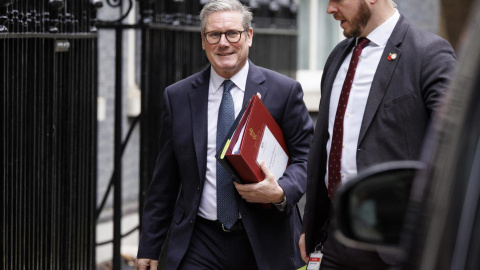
x=227, y=210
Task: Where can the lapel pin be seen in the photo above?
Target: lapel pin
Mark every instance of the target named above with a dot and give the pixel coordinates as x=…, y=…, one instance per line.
x=259, y=95
x=392, y=56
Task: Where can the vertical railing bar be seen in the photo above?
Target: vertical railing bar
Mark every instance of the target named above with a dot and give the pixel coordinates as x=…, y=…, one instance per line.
x=28, y=103
x=79, y=129
x=89, y=103
x=10, y=147
x=74, y=181
x=3, y=172
x=65, y=110
x=94, y=151
x=22, y=142
x=52, y=117
x=88, y=130
x=7, y=148
x=145, y=52
x=117, y=195
x=29, y=147
x=82, y=91
x=49, y=88
x=39, y=142
x=15, y=154
x=35, y=197
x=76, y=114
x=74, y=147
x=45, y=148
x=10, y=151
x=87, y=111
x=7, y=145
x=72, y=128
x=43, y=156
x=59, y=204
x=78, y=142
x=18, y=148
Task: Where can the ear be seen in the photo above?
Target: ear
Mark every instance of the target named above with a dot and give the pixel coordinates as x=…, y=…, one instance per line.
x=250, y=37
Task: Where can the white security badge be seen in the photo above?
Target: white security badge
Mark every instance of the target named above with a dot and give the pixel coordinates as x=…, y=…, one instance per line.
x=315, y=260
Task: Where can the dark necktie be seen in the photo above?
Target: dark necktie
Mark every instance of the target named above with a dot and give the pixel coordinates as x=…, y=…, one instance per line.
x=227, y=210
x=335, y=157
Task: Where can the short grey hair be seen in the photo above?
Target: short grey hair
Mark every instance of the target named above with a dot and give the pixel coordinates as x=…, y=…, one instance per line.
x=226, y=5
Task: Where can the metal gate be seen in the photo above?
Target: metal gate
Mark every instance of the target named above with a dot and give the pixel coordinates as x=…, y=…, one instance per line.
x=48, y=124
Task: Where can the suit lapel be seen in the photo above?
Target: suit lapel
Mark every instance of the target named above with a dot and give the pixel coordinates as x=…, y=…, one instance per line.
x=254, y=84
x=198, y=99
x=330, y=74
x=383, y=75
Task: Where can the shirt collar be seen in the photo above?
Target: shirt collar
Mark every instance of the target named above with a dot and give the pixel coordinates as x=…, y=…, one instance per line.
x=382, y=33
x=239, y=79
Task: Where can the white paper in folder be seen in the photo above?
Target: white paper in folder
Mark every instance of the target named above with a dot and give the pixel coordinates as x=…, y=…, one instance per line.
x=273, y=154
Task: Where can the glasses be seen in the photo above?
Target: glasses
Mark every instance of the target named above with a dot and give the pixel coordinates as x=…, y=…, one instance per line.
x=232, y=36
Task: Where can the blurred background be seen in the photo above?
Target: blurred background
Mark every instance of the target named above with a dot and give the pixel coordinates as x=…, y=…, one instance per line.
x=81, y=89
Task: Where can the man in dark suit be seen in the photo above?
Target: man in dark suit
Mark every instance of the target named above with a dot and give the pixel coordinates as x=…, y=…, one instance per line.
x=377, y=99
x=183, y=204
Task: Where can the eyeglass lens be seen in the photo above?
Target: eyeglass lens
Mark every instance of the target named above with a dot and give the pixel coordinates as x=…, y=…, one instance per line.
x=231, y=36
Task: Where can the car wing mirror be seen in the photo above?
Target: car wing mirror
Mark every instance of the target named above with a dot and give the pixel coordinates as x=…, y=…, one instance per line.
x=370, y=209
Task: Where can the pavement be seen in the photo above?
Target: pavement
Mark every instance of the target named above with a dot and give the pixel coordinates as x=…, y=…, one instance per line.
x=129, y=244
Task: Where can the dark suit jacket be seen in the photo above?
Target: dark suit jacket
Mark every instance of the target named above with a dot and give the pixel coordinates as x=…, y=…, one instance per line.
x=403, y=94
x=176, y=190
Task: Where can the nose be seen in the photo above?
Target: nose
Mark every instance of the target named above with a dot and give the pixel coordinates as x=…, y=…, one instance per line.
x=223, y=40
x=331, y=8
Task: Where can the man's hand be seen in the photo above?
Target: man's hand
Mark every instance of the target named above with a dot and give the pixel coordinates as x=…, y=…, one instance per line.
x=146, y=264
x=267, y=191
x=301, y=244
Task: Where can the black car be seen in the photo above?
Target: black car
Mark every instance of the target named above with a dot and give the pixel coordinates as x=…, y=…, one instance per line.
x=427, y=213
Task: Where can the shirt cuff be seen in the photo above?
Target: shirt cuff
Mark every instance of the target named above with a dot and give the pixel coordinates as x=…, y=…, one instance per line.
x=281, y=206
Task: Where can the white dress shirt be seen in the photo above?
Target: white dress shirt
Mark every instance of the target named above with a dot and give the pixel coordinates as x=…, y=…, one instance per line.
x=208, y=204
x=362, y=82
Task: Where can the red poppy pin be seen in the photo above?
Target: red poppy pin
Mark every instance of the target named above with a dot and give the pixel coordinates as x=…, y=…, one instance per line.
x=392, y=56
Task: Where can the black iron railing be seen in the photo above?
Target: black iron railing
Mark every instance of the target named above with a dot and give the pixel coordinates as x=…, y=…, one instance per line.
x=48, y=92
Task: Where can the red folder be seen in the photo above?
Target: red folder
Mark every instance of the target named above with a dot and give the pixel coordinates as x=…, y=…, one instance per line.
x=248, y=130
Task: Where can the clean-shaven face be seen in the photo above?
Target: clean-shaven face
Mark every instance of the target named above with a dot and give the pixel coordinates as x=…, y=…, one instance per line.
x=352, y=14
x=225, y=57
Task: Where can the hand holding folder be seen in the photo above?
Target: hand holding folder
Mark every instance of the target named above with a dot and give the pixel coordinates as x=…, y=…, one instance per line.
x=253, y=137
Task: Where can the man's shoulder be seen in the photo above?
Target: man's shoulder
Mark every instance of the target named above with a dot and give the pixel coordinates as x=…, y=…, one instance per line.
x=421, y=37
x=190, y=81
x=270, y=74
x=424, y=35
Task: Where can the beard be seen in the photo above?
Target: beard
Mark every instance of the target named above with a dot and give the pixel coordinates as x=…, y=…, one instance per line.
x=359, y=21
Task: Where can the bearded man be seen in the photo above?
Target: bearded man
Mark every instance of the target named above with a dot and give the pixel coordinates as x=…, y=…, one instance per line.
x=378, y=91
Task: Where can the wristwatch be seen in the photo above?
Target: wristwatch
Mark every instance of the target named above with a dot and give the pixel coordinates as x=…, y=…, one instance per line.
x=281, y=206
